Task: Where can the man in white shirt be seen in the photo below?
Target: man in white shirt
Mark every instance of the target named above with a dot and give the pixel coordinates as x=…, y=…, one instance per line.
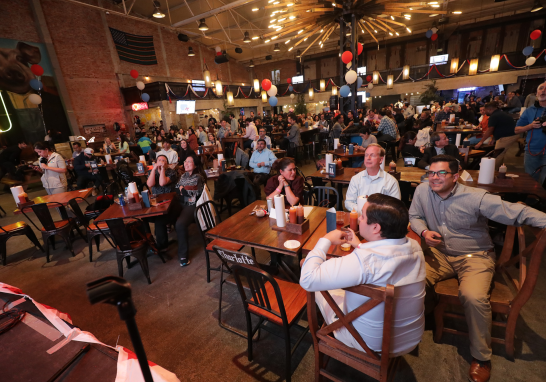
x=202, y=136
x=373, y=180
x=166, y=150
x=261, y=135
x=388, y=257
x=251, y=133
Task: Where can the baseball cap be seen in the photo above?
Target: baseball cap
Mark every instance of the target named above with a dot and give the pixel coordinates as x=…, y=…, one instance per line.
x=88, y=150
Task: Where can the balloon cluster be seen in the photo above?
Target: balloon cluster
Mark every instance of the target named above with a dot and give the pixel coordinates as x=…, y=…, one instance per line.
x=271, y=91
x=140, y=85
x=351, y=76
x=528, y=50
x=218, y=51
x=432, y=33
x=36, y=84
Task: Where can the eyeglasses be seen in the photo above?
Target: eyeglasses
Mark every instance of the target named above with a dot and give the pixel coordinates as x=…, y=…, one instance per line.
x=441, y=174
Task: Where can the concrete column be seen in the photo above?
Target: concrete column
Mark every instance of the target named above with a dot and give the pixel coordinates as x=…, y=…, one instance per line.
x=43, y=32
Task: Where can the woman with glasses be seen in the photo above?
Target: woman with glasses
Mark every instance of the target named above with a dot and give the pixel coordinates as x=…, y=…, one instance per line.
x=190, y=187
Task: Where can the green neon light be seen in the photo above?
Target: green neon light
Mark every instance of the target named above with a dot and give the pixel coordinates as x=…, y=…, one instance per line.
x=7, y=114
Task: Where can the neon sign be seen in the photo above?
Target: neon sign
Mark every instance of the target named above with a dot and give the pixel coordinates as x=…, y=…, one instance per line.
x=139, y=106
x=7, y=114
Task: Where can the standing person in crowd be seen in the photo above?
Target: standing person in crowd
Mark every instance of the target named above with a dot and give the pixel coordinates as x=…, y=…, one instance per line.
x=76, y=147
x=489, y=98
x=85, y=173
x=386, y=257
x=183, y=151
x=408, y=111
x=261, y=161
x=533, y=121
x=338, y=127
x=293, y=136
x=250, y=134
x=161, y=180
x=386, y=127
x=288, y=183
x=168, y=152
x=10, y=158
x=439, y=145
x=262, y=135
x=234, y=124
x=453, y=220
x=373, y=180
x=484, y=126
x=53, y=167
x=202, y=138
x=502, y=127
x=192, y=139
x=144, y=142
x=190, y=187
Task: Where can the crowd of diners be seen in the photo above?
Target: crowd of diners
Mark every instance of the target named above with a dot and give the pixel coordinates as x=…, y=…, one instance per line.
x=451, y=218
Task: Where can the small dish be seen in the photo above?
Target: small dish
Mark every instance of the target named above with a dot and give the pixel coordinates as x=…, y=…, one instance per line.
x=260, y=213
x=292, y=244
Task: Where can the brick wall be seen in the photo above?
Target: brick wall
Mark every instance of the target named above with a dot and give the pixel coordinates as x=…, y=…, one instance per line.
x=287, y=68
x=17, y=21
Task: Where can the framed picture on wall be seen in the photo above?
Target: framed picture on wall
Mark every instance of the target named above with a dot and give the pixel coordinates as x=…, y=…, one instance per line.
x=98, y=130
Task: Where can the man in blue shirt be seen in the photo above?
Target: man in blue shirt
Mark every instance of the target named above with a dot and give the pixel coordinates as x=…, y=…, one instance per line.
x=535, y=143
x=261, y=161
x=144, y=142
x=224, y=131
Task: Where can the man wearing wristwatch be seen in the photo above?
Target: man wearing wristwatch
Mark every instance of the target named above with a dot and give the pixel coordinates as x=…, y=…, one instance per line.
x=452, y=218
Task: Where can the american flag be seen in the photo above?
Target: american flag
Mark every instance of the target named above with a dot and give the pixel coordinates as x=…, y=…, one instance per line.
x=134, y=48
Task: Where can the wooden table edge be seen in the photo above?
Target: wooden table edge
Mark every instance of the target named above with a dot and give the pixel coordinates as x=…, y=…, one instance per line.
x=89, y=190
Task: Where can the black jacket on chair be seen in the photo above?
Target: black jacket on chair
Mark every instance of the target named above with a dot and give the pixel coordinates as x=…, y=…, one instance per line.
x=430, y=152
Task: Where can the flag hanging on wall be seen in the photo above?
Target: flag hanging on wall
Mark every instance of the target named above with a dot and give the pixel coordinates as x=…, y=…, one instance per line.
x=134, y=48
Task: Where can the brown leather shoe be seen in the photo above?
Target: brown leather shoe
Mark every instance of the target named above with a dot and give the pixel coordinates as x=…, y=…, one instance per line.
x=480, y=371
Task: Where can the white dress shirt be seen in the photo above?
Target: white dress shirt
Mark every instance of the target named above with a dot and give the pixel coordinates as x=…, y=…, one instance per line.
x=399, y=262
x=171, y=155
x=363, y=184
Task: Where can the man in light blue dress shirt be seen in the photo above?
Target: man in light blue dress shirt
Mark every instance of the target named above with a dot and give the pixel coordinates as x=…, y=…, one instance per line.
x=261, y=161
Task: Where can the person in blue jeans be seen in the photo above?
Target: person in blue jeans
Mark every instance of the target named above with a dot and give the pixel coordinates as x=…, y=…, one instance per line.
x=535, y=142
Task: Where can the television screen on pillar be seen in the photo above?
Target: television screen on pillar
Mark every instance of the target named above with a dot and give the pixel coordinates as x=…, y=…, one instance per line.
x=185, y=107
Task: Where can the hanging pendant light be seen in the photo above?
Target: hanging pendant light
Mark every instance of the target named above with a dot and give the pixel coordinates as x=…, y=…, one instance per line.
x=256, y=85
x=334, y=90
x=473, y=69
x=322, y=85
x=375, y=78
x=311, y=94
x=206, y=77
x=276, y=48
x=495, y=60
x=218, y=85
x=191, y=53
x=454, y=66
x=230, y=100
x=247, y=38
x=158, y=14
x=251, y=64
x=264, y=96
x=405, y=72
x=298, y=53
x=390, y=81
x=202, y=25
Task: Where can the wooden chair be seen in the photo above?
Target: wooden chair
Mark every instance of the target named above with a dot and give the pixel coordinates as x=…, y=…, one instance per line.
x=129, y=240
x=92, y=230
x=503, y=301
x=210, y=217
x=228, y=259
x=379, y=366
x=267, y=302
x=16, y=229
x=63, y=228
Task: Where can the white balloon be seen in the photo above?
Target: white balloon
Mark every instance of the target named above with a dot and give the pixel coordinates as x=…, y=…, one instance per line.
x=291, y=96
x=218, y=49
x=434, y=30
x=530, y=61
x=140, y=85
x=349, y=64
x=35, y=99
x=272, y=92
x=350, y=76
x=370, y=86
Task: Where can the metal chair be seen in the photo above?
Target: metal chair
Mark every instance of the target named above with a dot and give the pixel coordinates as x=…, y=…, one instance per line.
x=129, y=240
x=63, y=228
x=208, y=214
x=268, y=303
x=16, y=229
x=324, y=197
x=92, y=230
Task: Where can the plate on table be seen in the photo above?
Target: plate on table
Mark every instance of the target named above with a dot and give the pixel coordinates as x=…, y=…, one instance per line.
x=292, y=244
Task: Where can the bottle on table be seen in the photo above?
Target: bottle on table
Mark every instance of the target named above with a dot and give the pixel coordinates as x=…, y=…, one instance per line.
x=353, y=220
x=301, y=216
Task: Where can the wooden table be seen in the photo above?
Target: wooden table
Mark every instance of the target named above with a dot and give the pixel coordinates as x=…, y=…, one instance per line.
x=345, y=154
x=335, y=250
x=209, y=151
x=278, y=153
x=524, y=184
x=117, y=211
x=452, y=133
x=233, y=139
x=61, y=198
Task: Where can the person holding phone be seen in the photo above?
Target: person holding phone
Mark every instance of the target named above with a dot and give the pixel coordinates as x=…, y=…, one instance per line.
x=53, y=167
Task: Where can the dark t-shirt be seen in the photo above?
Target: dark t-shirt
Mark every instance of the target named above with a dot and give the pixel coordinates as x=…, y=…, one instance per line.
x=157, y=189
x=296, y=185
x=502, y=123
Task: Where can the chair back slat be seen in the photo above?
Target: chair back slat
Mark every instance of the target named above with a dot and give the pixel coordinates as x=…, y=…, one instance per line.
x=119, y=234
x=75, y=207
x=43, y=214
x=209, y=214
x=322, y=193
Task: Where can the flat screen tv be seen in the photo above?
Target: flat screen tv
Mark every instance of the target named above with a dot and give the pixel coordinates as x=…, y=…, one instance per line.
x=185, y=107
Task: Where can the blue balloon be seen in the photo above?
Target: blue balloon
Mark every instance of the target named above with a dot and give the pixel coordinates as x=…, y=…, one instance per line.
x=527, y=50
x=344, y=90
x=429, y=34
x=36, y=84
x=291, y=88
x=145, y=97
x=273, y=101
x=359, y=82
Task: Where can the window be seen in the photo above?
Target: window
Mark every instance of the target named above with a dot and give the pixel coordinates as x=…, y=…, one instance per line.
x=276, y=76
x=297, y=79
x=361, y=71
x=198, y=85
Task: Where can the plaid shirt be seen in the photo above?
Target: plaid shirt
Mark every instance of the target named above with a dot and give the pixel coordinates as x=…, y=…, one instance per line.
x=387, y=126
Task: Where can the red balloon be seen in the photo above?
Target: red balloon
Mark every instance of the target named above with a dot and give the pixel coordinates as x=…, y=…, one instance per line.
x=369, y=78
x=133, y=73
x=219, y=53
x=266, y=84
x=37, y=70
x=289, y=80
x=535, y=34
x=346, y=57
x=434, y=37
x=360, y=48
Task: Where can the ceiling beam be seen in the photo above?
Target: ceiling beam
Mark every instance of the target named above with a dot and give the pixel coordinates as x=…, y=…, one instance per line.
x=214, y=11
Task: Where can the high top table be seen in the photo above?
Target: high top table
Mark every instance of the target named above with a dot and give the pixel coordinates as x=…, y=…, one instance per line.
x=61, y=198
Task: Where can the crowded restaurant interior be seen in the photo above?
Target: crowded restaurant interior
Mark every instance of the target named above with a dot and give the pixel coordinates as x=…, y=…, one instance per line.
x=271, y=190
